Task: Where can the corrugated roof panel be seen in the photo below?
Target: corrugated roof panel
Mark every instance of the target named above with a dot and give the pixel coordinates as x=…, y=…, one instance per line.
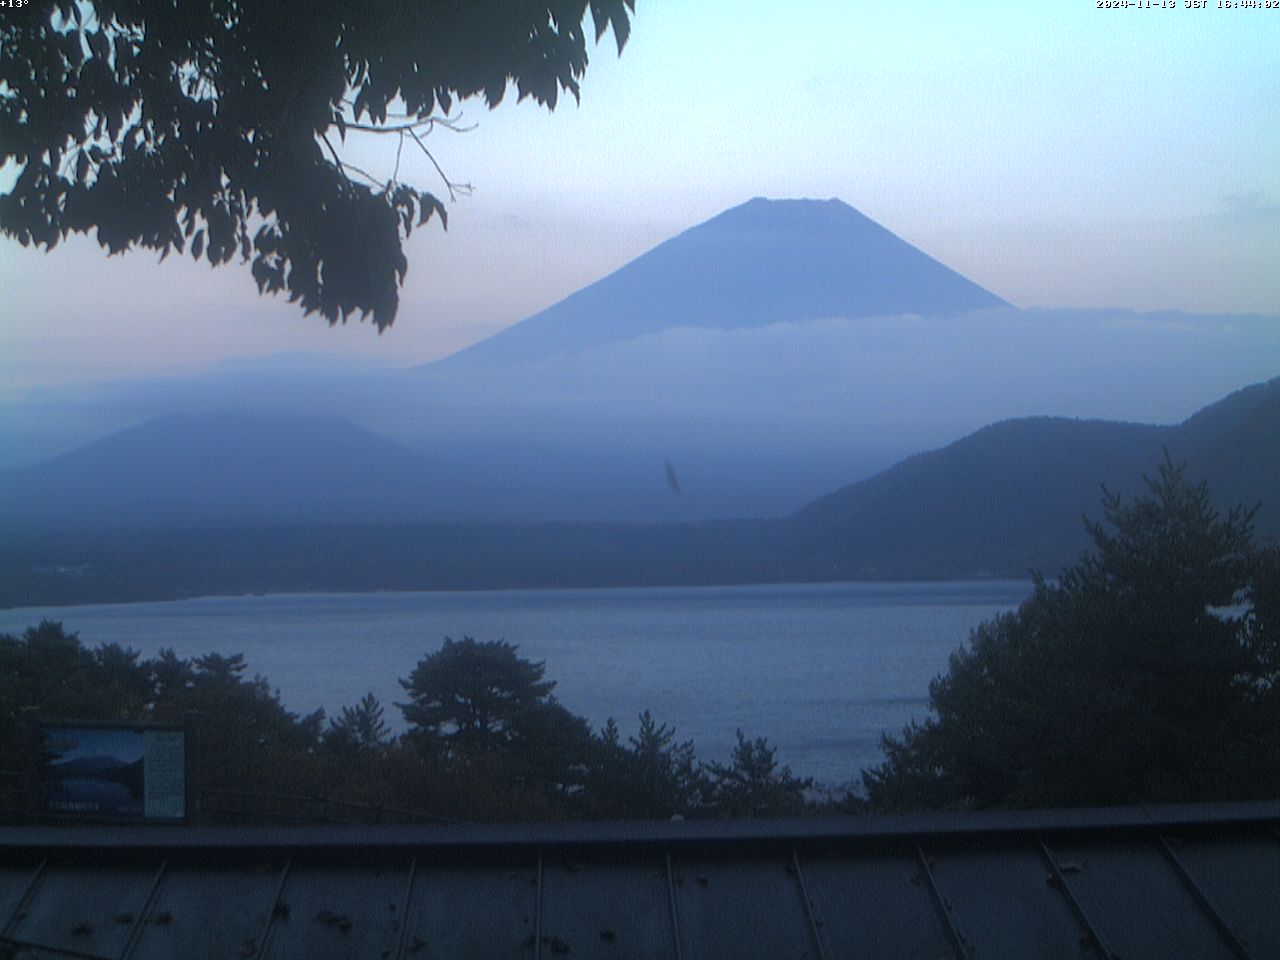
x=1005, y=903
x=735, y=907
x=607, y=910
x=339, y=912
x=472, y=911
x=85, y=910
x=874, y=905
x=543, y=891
x=214, y=913
x=1241, y=878
x=1139, y=903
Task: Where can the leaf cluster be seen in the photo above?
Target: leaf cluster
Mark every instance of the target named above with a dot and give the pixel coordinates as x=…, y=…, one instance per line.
x=211, y=126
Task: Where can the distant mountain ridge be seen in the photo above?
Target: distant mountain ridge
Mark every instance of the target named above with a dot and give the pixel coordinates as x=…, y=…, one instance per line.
x=1001, y=502
x=765, y=261
x=1011, y=497
x=198, y=469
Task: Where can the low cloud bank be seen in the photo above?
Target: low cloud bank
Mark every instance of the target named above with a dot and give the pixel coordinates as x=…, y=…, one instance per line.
x=754, y=421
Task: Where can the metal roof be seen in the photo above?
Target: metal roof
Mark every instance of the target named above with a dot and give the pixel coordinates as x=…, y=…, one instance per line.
x=1128, y=883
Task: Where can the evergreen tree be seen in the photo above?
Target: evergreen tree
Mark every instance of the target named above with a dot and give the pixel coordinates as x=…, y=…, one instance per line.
x=474, y=696
x=359, y=729
x=752, y=785
x=1128, y=680
x=651, y=776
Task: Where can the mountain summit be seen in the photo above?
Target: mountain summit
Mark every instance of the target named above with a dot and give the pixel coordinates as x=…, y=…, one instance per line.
x=763, y=262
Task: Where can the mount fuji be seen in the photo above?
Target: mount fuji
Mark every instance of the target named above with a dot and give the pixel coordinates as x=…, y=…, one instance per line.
x=760, y=263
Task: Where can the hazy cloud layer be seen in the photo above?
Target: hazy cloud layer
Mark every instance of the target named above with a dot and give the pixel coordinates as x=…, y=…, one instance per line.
x=752, y=420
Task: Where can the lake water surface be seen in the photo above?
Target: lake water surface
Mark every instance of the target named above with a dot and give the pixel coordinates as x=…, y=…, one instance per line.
x=820, y=670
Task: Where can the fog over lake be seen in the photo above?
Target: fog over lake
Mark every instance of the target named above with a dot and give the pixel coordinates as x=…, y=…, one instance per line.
x=819, y=670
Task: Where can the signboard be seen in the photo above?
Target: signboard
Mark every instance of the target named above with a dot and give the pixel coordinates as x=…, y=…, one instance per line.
x=110, y=771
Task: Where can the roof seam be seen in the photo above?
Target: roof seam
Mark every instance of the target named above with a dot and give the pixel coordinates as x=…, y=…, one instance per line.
x=1059, y=880
x=1202, y=900
x=943, y=907
x=808, y=907
x=135, y=931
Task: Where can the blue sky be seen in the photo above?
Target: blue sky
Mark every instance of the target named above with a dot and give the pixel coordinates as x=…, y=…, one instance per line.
x=1058, y=154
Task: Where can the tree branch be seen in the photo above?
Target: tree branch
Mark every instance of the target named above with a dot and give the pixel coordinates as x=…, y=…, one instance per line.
x=453, y=188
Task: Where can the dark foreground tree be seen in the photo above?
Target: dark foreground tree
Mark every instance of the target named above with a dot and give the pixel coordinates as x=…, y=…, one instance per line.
x=50, y=669
x=474, y=696
x=481, y=703
x=247, y=738
x=221, y=124
x=650, y=776
x=490, y=742
x=753, y=785
x=1131, y=679
x=359, y=729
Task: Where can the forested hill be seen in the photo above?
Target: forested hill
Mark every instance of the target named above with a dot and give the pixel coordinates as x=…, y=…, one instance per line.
x=1005, y=500
x=1235, y=445
x=1011, y=497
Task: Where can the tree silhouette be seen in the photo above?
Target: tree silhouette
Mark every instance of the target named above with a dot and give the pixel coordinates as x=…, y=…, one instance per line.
x=651, y=775
x=221, y=126
x=359, y=729
x=1130, y=679
x=489, y=742
x=474, y=696
x=752, y=785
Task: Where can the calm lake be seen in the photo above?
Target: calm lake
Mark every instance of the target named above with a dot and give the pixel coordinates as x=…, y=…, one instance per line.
x=820, y=670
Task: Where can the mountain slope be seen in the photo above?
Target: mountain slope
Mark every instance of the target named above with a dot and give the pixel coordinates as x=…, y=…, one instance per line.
x=766, y=261
x=212, y=468
x=1002, y=501
x=1235, y=445
x=1011, y=497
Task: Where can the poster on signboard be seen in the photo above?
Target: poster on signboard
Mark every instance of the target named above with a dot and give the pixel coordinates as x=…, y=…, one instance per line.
x=124, y=772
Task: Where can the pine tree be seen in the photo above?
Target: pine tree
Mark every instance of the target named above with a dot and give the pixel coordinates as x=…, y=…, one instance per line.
x=1132, y=678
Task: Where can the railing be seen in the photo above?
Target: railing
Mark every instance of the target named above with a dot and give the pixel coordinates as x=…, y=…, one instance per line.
x=247, y=806
x=244, y=807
